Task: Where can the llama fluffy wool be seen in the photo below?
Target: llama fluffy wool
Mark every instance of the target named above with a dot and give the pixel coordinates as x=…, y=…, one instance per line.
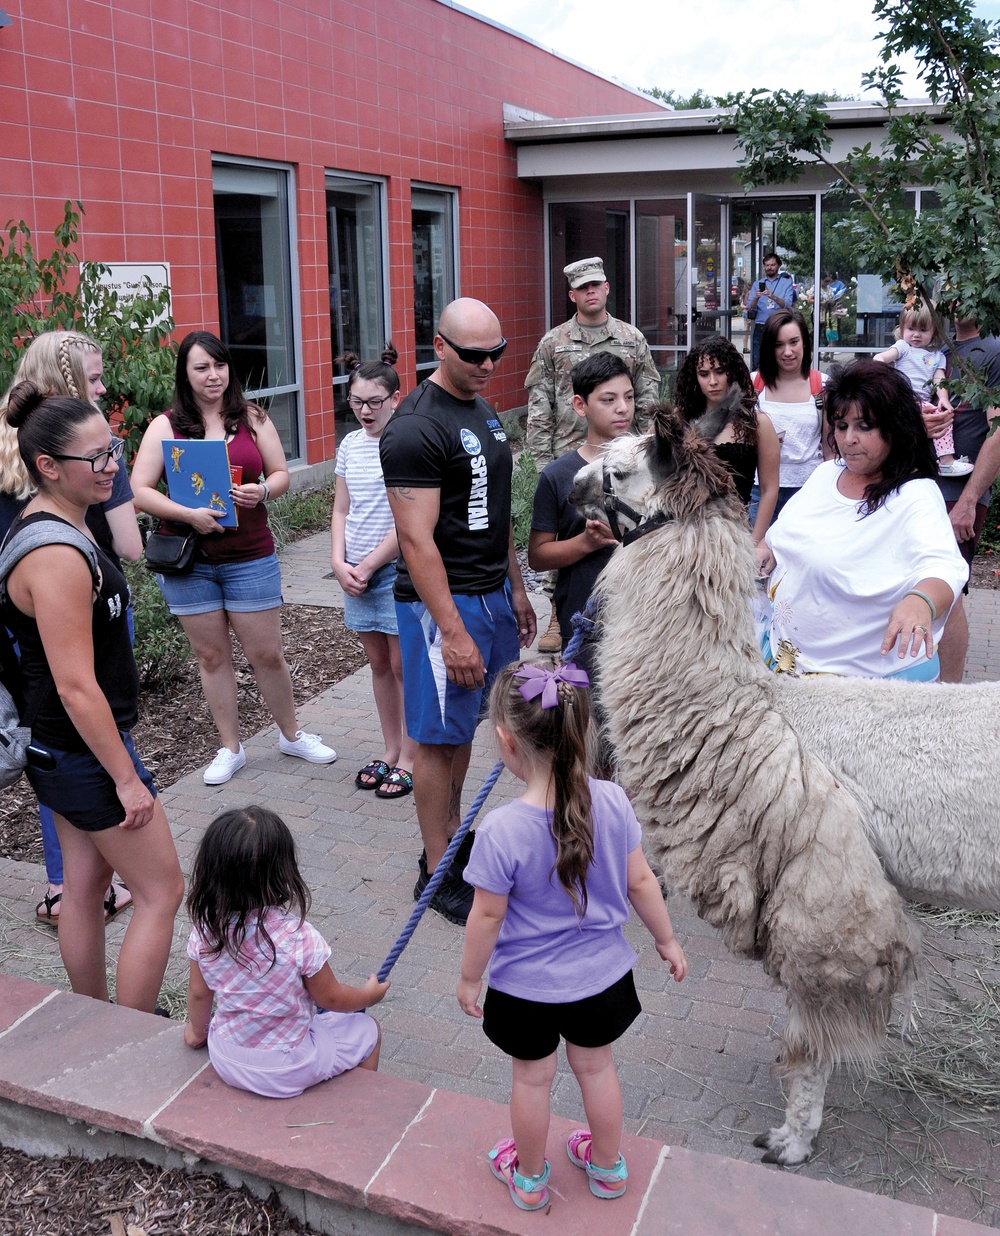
x=781, y=806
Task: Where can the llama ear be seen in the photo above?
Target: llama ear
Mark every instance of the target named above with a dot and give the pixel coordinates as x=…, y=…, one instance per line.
x=667, y=432
x=711, y=424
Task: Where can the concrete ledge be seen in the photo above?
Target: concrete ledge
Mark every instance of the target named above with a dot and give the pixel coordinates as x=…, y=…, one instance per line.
x=367, y=1152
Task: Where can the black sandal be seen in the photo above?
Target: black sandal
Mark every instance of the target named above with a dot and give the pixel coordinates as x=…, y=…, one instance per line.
x=402, y=782
x=112, y=906
x=48, y=904
x=377, y=770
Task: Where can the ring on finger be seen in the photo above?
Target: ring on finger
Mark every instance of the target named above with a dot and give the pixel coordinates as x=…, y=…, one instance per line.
x=921, y=629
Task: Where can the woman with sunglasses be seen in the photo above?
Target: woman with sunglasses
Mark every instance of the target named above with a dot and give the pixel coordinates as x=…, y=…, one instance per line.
x=364, y=561
x=66, y=606
x=67, y=362
x=235, y=581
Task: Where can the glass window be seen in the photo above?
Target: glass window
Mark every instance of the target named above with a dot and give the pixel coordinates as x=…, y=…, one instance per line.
x=661, y=275
x=256, y=314
x=859, y=311
x=434, y=261
x=590, y=229
x=355, y=257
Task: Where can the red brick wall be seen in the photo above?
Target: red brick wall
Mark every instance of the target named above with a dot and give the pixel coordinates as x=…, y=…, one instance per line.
x=121, y=104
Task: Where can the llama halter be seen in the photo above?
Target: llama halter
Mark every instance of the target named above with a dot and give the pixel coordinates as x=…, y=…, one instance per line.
x=544, y=682
x=613, y=505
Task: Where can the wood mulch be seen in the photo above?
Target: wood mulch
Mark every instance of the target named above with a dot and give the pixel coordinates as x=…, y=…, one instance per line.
x=175, y=734
x=985, y=571
x=123, y=1197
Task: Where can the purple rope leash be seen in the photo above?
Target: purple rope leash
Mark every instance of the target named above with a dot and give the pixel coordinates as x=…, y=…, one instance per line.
x=440, y=871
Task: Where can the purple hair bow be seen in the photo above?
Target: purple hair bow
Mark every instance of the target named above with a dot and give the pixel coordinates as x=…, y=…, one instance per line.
x=544, y=682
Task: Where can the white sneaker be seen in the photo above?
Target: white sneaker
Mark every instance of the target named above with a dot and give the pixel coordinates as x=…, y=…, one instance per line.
x=226, y=762
x=960, y=467
x=309, y=747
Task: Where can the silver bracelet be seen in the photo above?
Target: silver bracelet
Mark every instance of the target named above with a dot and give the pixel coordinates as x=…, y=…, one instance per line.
x=915, y=592
x=267, y=491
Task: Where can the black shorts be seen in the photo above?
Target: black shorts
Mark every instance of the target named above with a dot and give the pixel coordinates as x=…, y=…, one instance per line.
x=968, y=548
x=81, y=790
x=530, y=1030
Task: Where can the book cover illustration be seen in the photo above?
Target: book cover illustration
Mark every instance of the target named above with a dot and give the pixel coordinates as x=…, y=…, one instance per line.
x=199, y=474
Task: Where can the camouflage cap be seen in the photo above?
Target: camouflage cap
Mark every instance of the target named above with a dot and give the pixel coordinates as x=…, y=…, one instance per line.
x=587, y=270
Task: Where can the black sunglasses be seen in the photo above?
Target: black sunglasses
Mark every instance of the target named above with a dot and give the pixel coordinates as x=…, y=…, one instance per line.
x=476, y=356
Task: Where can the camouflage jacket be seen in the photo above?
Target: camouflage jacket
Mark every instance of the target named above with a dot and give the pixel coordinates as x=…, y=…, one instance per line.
x=553, y=427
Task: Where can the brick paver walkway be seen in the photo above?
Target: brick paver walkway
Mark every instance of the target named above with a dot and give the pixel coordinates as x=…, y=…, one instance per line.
x=695, y=1067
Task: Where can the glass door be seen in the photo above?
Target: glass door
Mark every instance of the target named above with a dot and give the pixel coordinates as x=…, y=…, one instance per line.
x=782, y=225
x=709, y=305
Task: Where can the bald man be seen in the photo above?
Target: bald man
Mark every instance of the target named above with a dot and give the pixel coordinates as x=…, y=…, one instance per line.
x=460, y=602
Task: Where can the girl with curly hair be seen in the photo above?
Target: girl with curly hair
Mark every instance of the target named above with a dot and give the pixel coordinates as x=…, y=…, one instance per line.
x=714, y=391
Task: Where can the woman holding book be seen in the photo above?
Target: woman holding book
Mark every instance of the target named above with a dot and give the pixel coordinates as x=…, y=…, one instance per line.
x=235, y=581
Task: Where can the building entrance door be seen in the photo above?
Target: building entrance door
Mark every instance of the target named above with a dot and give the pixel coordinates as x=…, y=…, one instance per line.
x=786, y=226
x=709, y=301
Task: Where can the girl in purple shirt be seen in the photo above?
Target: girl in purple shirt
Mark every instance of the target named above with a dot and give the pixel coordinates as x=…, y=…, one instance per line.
x=555, y=872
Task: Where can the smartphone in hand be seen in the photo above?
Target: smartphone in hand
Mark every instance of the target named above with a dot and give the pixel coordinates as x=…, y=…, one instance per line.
x=762, y=285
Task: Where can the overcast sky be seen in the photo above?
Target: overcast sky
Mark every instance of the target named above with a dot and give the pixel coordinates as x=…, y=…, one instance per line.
x=717, y=45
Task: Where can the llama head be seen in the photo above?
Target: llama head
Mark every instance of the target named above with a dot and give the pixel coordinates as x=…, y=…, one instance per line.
x=669, y=471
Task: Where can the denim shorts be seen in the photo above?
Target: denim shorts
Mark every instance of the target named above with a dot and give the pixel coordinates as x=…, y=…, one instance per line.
x=374, y=610
x=82, y=791
x=237, y=587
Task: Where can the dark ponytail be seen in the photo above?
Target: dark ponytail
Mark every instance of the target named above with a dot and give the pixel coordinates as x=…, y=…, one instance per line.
x=381, y=370
x=561, y=736
x=45, y=424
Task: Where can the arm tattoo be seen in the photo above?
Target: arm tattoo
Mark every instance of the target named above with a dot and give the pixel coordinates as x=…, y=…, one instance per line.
x=400, y=491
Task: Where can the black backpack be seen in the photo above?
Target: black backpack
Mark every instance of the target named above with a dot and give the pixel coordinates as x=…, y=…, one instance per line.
x=15, y=722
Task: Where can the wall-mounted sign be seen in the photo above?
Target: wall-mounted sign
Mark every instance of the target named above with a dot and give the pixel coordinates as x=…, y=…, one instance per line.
x=128, y=279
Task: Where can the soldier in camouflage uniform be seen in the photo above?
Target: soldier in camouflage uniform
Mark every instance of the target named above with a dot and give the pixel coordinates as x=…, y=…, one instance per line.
x=553, y=427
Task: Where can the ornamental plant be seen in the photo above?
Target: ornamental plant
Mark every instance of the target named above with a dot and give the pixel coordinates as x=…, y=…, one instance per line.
x=53, y=292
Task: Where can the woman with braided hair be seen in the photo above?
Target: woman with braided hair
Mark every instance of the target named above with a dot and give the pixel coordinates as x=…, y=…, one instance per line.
x=67, y=362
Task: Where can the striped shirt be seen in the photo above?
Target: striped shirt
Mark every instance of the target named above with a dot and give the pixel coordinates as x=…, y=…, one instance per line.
x=369, y=520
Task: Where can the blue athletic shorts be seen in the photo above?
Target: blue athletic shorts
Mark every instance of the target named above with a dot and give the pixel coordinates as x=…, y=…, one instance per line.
x=438, y=712
x=237, y=587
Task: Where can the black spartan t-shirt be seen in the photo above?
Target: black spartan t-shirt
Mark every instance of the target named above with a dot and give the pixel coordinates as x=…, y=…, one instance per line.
x=458, y=446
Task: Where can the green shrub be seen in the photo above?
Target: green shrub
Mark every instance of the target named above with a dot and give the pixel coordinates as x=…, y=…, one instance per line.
x=524, y=482
x=161, y=647
x=38, y=294
x=990, y=539
x=298, y=514
x=511, y=423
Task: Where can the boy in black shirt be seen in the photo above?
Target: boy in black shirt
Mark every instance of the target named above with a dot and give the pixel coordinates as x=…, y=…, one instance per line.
x=561, y=539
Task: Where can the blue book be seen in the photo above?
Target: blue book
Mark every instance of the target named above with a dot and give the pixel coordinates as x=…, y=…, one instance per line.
x=198, y=474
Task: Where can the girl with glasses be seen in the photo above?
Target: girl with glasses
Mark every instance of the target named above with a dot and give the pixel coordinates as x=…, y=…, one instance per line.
x=67, y=362
x=364, y=562
x=65, y=604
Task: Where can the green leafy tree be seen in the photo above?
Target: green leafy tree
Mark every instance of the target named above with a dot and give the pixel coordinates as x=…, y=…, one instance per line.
x=45, y=292
x=954, y=148
x=702, y=100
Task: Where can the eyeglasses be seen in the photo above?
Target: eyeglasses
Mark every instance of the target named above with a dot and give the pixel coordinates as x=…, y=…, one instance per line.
x=99, y=462
x=476, y=356
x=356, y=403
